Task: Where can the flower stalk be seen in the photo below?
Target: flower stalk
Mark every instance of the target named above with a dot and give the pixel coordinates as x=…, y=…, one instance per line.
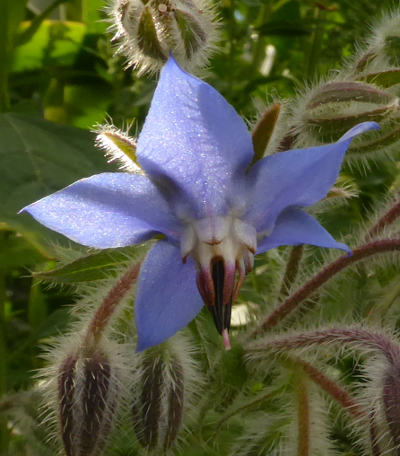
x=341, y=396
x=350, y=335
x=292, y=269
x=303, y=417
x=107, y=308
x=291, y=303
x=387, y=219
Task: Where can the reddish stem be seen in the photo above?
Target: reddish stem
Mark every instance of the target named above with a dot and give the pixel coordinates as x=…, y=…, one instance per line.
x=303, y=414
x=364, y=251
x=333, y=389
x=111, y=302
x=376, y=341
x=387, y=219
x=292, y=269
x=373, y=434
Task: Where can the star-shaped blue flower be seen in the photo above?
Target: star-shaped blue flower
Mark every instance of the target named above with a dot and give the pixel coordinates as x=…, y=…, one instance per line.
x=199, y=192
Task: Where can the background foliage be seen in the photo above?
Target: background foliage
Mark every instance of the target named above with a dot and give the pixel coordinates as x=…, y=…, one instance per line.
x=59, y=78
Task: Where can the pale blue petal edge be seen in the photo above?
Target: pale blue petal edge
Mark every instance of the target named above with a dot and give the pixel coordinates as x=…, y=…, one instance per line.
x=298, y=177
x=295, y=227
x=107, y=210
x=167, y=298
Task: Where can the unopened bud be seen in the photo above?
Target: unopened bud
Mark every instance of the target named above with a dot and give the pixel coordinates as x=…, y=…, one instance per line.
x=157, y=411
x=383, y=50
x=87, y=394
x=149, y=31
x=336, y=107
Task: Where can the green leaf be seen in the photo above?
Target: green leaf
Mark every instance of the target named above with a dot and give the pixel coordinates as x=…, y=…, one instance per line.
x=17, y=252
x=36, y=159
x=385, y=78
x=95, y=266
x=93, y=15
x=28, y=33
x=54, y=43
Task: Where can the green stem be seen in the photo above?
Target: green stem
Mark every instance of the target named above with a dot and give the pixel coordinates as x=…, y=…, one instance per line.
x=249, y=405
x=4, y=434
x=260, y=45
x=292, y=269
x=316, y=43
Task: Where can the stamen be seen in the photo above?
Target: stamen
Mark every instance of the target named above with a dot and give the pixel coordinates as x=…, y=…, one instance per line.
x=225, y=338
x=218, y=276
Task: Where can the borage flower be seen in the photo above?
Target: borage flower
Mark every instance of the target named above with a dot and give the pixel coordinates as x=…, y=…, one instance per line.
x=198, y=191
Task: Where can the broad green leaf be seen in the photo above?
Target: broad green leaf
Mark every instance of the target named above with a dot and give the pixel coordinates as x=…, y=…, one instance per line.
x=36, y=159
x=95, y=266
x=28, y=33
x=93, y=15
x=17, y=252
x=55, y=42
x=385, y=78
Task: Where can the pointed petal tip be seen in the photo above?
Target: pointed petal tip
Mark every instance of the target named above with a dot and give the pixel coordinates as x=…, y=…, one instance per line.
x=359, y=129
x=345, y=248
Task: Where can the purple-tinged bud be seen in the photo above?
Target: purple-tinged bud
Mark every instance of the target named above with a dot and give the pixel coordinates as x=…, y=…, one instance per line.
x=159, y=400
x=87, y=393
x=66, y=395
x=147, y=417
x=391, y=401
x=335, y=107
x=175, y=403
x=149, y=31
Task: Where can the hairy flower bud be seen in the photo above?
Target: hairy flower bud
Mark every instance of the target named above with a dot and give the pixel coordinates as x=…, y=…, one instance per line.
x=87, y=397
x=159, y=399
x=328, y=111
x=383, y=49
x=149, y=31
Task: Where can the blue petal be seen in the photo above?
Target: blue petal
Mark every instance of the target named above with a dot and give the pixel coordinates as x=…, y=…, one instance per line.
x=294, y=227
x=295, y=178
x=107, y=210
x=194, y=138
x=167, y=298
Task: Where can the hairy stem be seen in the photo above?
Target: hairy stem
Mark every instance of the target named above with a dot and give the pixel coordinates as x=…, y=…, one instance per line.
x=351, y=335
x=111, y=302
x=292, y=269
x=303, y=416
x=250, y=404
x=329, y=271
x=387, y=219
x=341, y=396
x=373, y=434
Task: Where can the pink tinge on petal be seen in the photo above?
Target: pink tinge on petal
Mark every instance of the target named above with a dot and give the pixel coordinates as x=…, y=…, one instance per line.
x=225, y=338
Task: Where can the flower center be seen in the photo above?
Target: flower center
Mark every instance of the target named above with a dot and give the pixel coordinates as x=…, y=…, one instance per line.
x=223, y=248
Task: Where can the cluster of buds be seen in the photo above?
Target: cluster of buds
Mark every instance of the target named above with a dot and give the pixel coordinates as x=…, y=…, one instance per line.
x=88, y=392
x=147, y=32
